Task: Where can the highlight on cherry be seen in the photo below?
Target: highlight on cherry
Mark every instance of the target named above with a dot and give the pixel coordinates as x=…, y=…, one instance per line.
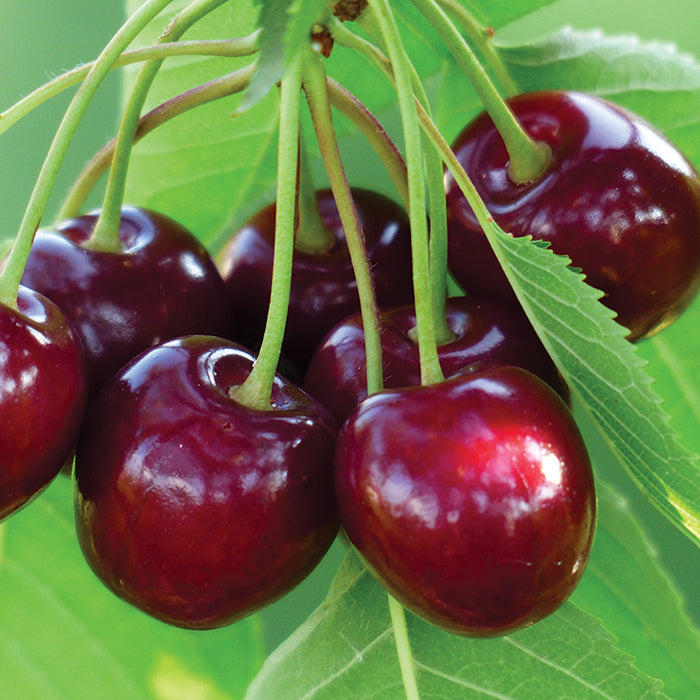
x=409, y=373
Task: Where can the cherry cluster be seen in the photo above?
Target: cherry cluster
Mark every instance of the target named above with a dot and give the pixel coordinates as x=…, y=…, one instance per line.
x=469, y=495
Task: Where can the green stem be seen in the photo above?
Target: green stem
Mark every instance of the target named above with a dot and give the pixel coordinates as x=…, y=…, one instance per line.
x=438, y=226
x=436, y=193
x=344, y=37
x=315, y=87
x=403, y=649
x=346, y=103
x=203, y=94
x=105, y=235
x=312, y=235
x=431, y=371
x=11, y=274
x=256, y=390
x=482, y=38
x=483, y=216
x=528, y=158
x=224, y=48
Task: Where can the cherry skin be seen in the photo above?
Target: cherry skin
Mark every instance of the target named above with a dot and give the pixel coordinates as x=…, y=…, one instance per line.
x=471, y=500
x=323, y=289
x=192, y=506
x=484, y=331
x=617, y=197
x=161, y=284
x=43, y=390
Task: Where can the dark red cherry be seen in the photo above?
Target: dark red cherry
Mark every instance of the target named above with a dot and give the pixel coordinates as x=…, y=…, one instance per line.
x=43, y=389
x=472, y=500
x=192, y=506
x=161, y=284
x=484, y=331
x=323, y=290
x=618, y=198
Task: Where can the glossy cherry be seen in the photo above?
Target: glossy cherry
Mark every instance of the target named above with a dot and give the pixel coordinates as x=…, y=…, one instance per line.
x=43, y=390
x=484, y=331
x=617, y=197
x=323, y=290
x=161, y=284
x=471, y=500
x=192, y=506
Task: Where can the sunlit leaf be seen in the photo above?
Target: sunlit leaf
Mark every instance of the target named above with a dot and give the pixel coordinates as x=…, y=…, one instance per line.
x=351, y=640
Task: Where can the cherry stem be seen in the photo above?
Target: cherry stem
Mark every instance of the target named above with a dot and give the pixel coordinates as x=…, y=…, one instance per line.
x=528, y=158
x=312, y=235
x=346, y=103
x=196, y=97
x=438, y=228
x=256, y=390
x=482, y=38
x=225, y=48
x=483, y=216
x=11, y=274
x=436, y=193
x=105, y=235
x=431, y=372
x=315, y=87
x=403, y=649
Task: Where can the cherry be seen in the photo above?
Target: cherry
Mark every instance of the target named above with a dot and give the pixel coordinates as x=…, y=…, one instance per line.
x=483, y=330
x=43, y=390
x=323, y=290
x=192, y=506
x=161, y=284
x=617, y=197
x=471, y=500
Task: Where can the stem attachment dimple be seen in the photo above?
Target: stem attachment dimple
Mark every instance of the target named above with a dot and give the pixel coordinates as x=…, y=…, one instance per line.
x=11, y=274
x=105, y=235
x=431, y=372
x=312, y=235
x=315, y=87
x=256, y=390
x=528, y=158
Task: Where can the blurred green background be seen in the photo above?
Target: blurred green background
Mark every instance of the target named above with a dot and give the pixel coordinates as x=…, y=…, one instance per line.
x=42, y=38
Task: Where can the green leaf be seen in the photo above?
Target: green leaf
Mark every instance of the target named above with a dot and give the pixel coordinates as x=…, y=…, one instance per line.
x=208, y=169
x=626, y=586
x=351, y=641
x=285, y=25
x=674, y=362
x=650, y=78
x=64, y=635
x=663, y=86
x=212, y=172
x=605, y=371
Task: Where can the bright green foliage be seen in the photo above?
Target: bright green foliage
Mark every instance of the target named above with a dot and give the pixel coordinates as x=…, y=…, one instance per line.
x=350, y=639
x=624, y=633
x=64, y=635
